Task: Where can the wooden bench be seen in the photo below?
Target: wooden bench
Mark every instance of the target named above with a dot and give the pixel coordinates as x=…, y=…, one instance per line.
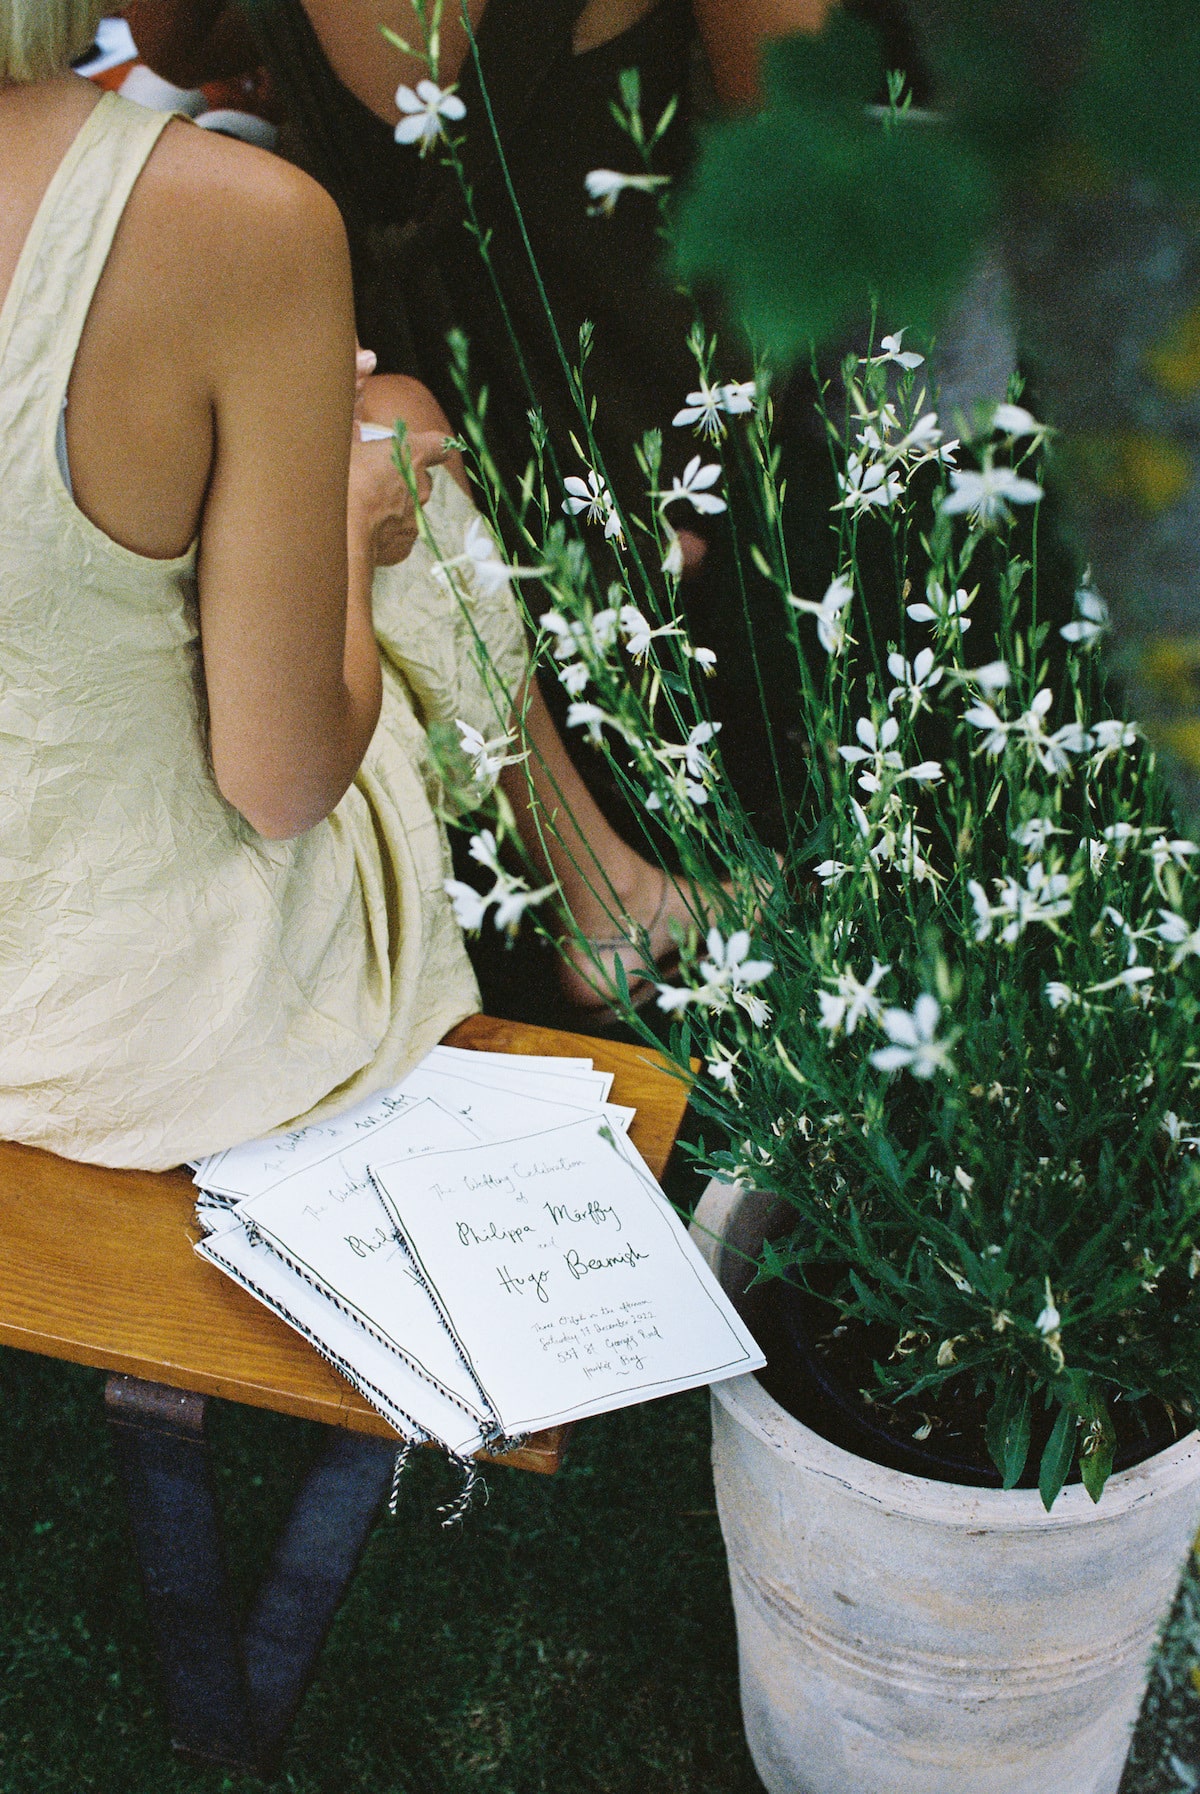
x=97, y=1267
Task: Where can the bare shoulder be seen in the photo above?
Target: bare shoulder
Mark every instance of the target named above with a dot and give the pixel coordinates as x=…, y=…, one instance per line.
x=236, y=214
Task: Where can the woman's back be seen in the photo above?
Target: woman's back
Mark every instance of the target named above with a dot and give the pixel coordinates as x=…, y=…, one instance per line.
x=170, y=980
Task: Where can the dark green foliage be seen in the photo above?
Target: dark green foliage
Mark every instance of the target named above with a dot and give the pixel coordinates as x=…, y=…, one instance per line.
x=1138, y=100
x=1058, y=1457
x=811, y=208
x=1008, y=1428
x=574, y=1637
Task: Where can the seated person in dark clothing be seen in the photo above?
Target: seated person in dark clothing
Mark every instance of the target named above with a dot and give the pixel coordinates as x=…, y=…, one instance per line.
x=550, y=68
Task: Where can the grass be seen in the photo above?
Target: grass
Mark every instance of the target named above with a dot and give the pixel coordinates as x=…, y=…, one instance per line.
x=574, y=1637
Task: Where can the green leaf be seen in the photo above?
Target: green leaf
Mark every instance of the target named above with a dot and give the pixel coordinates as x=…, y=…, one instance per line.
x=808, y=210
x=1007, y=1429
x=840, y=68
x=1057, y=1457
x=1136, y=101
x=1096, y=1451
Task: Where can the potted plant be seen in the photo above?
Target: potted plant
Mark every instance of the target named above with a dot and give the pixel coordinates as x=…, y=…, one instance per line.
x=948, y=1037
x=944, y=1014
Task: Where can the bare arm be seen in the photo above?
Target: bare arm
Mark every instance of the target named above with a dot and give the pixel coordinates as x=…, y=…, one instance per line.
x=734, y=31
x=289, y=654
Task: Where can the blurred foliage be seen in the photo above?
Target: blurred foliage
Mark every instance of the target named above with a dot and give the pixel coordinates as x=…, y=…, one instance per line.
x=813, y=207
x=806, y=208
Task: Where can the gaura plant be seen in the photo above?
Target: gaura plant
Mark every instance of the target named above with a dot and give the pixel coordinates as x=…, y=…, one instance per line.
x=956, y=1027
x=951, y=1016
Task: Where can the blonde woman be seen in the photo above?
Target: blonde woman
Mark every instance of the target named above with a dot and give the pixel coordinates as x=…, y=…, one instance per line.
x=221, y=875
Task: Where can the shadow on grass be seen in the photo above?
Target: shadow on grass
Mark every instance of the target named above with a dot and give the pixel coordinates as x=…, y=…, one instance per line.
x=574, y=1637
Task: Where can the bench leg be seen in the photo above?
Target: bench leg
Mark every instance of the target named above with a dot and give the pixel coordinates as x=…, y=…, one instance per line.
x=231, y=1695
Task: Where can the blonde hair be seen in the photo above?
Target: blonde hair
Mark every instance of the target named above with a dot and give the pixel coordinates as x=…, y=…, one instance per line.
x=39, y=38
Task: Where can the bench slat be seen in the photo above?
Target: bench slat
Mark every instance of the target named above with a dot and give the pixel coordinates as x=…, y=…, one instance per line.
x=97, y=1267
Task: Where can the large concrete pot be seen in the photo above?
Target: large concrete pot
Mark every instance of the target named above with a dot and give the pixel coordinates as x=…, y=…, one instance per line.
x=903, y=1636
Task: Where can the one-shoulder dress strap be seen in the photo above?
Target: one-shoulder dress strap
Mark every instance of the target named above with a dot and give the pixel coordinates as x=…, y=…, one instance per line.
x=65, y=252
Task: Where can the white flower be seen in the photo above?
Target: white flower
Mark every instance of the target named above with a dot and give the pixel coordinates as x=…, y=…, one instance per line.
x=831, y=623
x=511, y=895
x=703, y=408
x=739, y=396
x=488, y=758
x=923, y=442
x=1121, y=835
x=982, y=716
x=758, y=1011
x=606, y=186
x=915, y=680
x=1058, y=995
x=697, y=762
x=513, y=900
x=1014, y=420
x=672, y=561
x=1034, y=835
x=722, y=1066
x=890, y=350
x=983, y=909
x=470, y=906
x=707, y=407
x=1044, y=897
x=638, y=632
x=929, y=772
x=830, y=871
x=986, y=496
x=487, y=571
x=1111, y=736
x=867, y=485
x=1051, y=751
x=484, y=850
x=1164, y=853
x=1176, y=1132
x=1176, y=933
x=727, y=965
x=593, y=497
x=1130, y=979
x=1091, y=620
x=1097, y=852
x=727, y=973
x=876, y=747
x=574, y=677
x=694, y=487
x=914, y=1044
x=991, y=678
x=1049, y=1320
x=845, y=1007
x=425, y=112
x=704, y=658
x=592, y=718
x=942, y=609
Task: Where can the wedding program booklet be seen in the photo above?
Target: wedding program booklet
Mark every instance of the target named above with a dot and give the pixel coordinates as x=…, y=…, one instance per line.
x=480, y=1250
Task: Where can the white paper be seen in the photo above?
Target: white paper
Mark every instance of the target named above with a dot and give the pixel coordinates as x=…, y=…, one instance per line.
x=407, y=1401
x=570, y=1282
x=328, y=1223
x=495, y=1110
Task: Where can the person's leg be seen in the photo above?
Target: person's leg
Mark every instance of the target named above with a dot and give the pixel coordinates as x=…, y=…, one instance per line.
x=611, y=892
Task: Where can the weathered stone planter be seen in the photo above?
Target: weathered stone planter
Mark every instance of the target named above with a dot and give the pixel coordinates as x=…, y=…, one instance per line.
x=903, y=1636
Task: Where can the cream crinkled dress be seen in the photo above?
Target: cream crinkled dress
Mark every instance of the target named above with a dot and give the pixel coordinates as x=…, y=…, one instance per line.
x=170, y=981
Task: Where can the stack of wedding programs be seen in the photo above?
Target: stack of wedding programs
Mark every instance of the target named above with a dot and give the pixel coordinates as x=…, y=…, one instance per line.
x=481, y=1250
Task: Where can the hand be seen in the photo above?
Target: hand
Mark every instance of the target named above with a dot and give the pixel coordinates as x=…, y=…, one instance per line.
x=381, y=499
